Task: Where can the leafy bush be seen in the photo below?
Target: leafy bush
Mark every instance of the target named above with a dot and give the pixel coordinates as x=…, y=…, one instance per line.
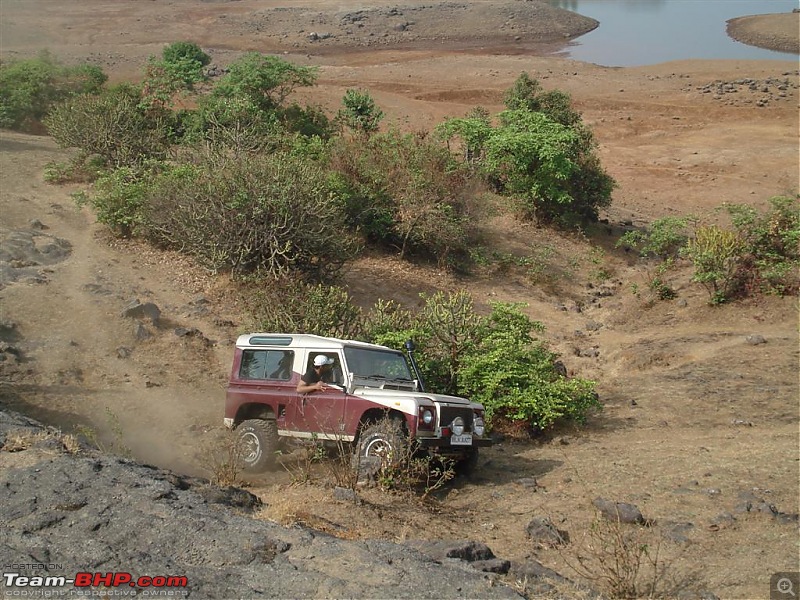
x=664, y=238
x=119, y=200
x=29, y=88
x=770, y=258
x=273, y=215
x=715, y=254
x=185, y=60
x=266, y=80
x=112, y=126
x=540, y=152
x=663, y=241
x=404, y=192
x=514, y=376
x=232, y=124
x=359, y=112
x=292, y=305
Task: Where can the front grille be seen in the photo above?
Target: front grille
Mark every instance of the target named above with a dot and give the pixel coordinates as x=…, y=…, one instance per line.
x=448, y=413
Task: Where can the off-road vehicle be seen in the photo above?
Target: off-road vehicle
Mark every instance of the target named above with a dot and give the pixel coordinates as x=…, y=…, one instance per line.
x=370, y=386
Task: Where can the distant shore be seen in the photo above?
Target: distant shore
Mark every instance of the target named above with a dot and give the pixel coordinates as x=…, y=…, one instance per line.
x=779, y=32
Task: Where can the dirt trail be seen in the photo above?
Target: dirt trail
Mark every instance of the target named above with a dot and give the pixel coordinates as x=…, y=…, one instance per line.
x=696, y=415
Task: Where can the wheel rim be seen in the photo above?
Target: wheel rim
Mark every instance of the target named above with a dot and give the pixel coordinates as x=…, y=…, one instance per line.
x=379, y=447
x=251, y=449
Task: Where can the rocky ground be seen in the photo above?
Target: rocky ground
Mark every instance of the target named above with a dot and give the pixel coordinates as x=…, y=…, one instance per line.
x=699, y=427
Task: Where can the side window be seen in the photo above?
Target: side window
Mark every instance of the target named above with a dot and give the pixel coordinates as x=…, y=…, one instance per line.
x=266, y=364
x=336, y=375
x=279, y=364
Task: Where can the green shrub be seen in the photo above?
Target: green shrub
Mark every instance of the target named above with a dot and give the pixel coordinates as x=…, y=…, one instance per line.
x=405, y=193
x=266, y=80
x=180, y=68
x=540, y=153
x=112, y=126
x=491, y=359
x=272, y=215
x=715, y=254
x=359, y=112
x=119, y=200
x=770, y=257
x=663, y=243
x=78, y=170
x=232, y=124
x=292, y=305
x=29, y=88
x=178, y=52
x=664, y=239
x=514, y=376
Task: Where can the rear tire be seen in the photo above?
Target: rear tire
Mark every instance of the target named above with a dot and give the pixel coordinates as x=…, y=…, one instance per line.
x=258, y=443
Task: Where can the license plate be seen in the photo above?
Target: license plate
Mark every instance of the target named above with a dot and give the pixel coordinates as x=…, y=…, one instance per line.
x=461, y=440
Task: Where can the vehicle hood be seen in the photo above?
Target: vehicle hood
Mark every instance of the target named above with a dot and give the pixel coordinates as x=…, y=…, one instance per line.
x=379, y=394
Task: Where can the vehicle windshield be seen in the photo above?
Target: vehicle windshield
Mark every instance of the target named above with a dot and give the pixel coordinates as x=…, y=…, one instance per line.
x=380, y=364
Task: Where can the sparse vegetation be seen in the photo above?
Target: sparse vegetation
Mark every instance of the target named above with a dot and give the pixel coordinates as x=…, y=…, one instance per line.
x=222, y=458
x=623, y=560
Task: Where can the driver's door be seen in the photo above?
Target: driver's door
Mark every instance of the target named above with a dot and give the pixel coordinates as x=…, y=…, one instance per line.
x=320, y=413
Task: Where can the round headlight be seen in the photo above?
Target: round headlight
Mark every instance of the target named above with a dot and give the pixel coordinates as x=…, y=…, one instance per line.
x=427, y=417
x=478, y=426
x=457, y=426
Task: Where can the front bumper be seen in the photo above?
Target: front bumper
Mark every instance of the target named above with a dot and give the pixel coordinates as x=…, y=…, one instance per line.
x=444, y=443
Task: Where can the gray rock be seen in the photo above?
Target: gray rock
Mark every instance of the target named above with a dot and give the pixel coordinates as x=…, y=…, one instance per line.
x=676, y=531
x=141, y=332
x=619, y=511
x=100, y=513
x=544, y=534
x=137, y=310
x=593, y=325
x=755, y=340
x=467, y=550
x=345, y=494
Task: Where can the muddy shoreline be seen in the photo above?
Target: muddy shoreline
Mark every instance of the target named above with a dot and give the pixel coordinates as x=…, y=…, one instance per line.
x=779, y=32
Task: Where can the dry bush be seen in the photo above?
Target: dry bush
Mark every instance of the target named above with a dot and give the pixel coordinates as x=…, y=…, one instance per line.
x=23, y=439
x=222, y=458
x=625, y=560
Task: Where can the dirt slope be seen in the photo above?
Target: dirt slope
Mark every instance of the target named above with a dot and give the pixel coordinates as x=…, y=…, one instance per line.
x=696, y=415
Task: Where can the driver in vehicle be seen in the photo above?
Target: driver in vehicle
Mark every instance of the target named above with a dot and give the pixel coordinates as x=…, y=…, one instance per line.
x=315, y=378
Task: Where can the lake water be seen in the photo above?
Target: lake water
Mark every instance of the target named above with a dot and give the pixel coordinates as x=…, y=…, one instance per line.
x=646, y=32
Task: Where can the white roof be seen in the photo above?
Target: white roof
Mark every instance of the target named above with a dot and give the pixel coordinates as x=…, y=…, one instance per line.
x=299, y=340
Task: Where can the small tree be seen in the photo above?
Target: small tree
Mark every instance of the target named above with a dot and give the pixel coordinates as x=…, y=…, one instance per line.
x=272, y=215
x=359, y=112
x=540, y=153
x=266, y=80
x=404, y=192
x=663, y=241
x=771, y=246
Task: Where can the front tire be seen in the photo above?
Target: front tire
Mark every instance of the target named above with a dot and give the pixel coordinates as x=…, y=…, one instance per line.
x=258, y=444
x=380, y=445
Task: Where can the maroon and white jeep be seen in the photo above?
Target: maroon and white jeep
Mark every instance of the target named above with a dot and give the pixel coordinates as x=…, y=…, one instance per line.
x=369, y=383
